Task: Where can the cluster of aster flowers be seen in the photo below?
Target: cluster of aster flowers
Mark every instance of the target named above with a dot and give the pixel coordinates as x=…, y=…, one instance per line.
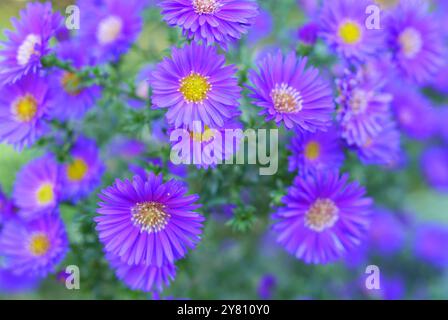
x=362, y=111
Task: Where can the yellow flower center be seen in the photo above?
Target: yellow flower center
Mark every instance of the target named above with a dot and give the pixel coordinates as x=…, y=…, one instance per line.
x=286, y=99
x=77, y=170
x=71, y=83
x=25, y=108
x=45, y=194
x=27, y=49
x=350, y=32
x=150, y=216
x=411, y=42
x=205, y=6
x=39, y=244
x=312, y=150
x=194, y=87
x=207, y=135
x=321, y=215
x=109, y=29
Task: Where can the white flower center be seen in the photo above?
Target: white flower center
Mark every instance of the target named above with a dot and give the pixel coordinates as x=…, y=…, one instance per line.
x=321, y=215
x=109, y=30
x=411, y=42
x=205, y=6
x=286, y=99
x=28, y=49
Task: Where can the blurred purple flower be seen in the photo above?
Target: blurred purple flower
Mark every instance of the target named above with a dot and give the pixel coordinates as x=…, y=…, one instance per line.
x=142, y=87
x=34, y=248
x=82, y=174
x=430, y=244
x=308, y=33
x=24, y=107
x=413, y=112
x=37, y=187
x=344, y=29
x=416, y=41
x=387, y=233
x=266, y=286
x=384, y=148
x=434, y=164
x=21, y=53
x=72, y=99
x=317, y=151
x=6, y=208
x=110, y=27
x=364, y=106
x=261, y=28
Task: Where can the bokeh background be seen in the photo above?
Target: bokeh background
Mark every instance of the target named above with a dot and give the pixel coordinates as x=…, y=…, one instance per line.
x=232, y=262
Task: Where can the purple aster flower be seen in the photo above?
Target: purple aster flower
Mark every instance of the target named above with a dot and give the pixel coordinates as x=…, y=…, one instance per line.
x=387, y=233
x=24, y=106
x=147, y=278
x=416, y=40
x=434, y=165
x=204, y=146
x=142, y=87
x=195, y=85
x=391, y=288
x=363, y=107
x=262, y=27
x=442, y=116
x=343, y=27
x=11, y=283
x=82, y=174
x=440, y=80
x=159, y=129
x=266, y=285
x=316, y=151
x=110, y=28
x=324, y=217
x=382, y=149
x=36, y=190
x=310, y=7
x=413, y=112
x=290, y=93
x=430, y=244
x=308, y=33
x=6, y=208
x=25, y=46
x=210, y=21
x=36, y=247
x=72, y=99
x=146, y=221
x=124, y=147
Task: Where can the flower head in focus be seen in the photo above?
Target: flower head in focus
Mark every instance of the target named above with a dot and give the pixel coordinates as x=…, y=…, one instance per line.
x=323, y=218
x=148, y=222
x=196, y=85
x=291, y=93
